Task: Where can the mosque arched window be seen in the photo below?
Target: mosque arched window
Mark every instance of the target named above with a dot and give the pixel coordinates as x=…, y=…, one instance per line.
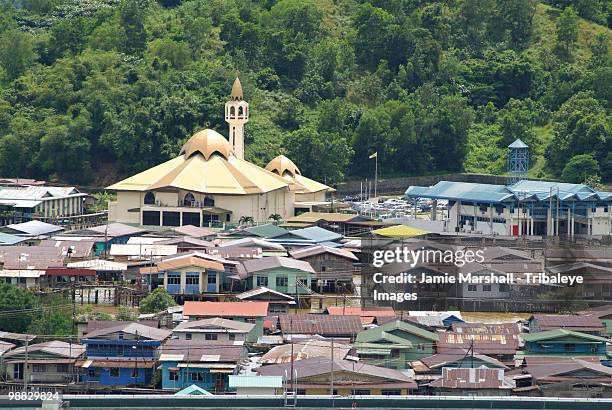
x=149, y=198
x=209, y=201
x=232, y=111
x=240, y=112
x=189, y=199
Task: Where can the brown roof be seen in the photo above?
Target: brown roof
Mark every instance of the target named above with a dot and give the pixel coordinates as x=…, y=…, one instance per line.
x=442, y=359
x=133, y=328
x=226, y=309
x=472, y=379
x=487, y=328
x=317, y=366
x=570, y=322
x=30, y=257
x=367, y=315
x=187, y=242
x=116, y=229
x=562, y=369
x=319, y=249
x=325, y=325
x=78, y=249
x=94, y=325
x=489, y=344
x=494, y=254
x=304, y=350
x=194, y=231
x=183, y=261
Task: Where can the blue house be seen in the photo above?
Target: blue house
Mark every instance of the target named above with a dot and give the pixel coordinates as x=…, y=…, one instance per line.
x=564, y=342
x=207, y=365
x=121, y=355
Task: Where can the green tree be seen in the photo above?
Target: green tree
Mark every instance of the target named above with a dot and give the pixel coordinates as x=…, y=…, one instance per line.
x=567, y=30
x=581, y=126
x=17, y=306
x=579, y=168
x=322, y=156
x=126, y=314
x=156, y=301
x=132, y=14
x=16, y=53
x=54, y=319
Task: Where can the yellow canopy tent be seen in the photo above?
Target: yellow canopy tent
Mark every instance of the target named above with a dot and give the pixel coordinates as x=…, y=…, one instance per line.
x=399, y=231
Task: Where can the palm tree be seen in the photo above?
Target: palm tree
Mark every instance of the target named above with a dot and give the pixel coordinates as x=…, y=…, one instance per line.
x=276, y=218
x=246, y=220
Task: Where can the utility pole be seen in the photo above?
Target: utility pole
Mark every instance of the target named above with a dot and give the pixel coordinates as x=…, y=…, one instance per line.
x=292, y=358
x=331, y=390
x=25, y=366
x=557, y=221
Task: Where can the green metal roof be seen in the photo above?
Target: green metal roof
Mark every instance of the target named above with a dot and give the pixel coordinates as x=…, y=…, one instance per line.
x=267, y=231
x=255, y=381
x=193, y=390
x=557, y=333
x=383, y=332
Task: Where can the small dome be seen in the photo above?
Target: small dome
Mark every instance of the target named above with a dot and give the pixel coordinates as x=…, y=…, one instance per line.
x=207, y=142
x=237, y=90
x=282, y=165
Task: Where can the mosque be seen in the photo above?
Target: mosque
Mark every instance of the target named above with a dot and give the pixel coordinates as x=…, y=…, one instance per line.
x=211, y=182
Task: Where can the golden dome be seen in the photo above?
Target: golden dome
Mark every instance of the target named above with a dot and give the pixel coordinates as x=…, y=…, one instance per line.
x=282, y=165
x=207, y=142
x=237, y=90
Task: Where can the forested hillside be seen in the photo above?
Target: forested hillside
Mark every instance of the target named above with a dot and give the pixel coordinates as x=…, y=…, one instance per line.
x=93, y=90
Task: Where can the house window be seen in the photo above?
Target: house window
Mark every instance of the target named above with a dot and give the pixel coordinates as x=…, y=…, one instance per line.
x=420, y=347
x=301, y=392
x=149, y=198
x=262, y=281
x=472, y=288
x=174, y=278
x=282, y=281
x=193, y=278
x=211, y=336
x=62, y=368
x=151, y=218
x=39, y=368
x=391, y=392
x=91, y=373
x=232, y=337
x=361, y=392
x=486, y=288
x=212, y=278
x=173, y=375
x=197, y=377
x=187, y=336
x=570, y=347
x=119, y=350
x=135, y=373
x=504, y=287
x=114, y=372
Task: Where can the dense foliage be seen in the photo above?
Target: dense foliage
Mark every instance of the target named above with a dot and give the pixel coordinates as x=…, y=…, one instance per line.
x=93, y=90
x=156, y=301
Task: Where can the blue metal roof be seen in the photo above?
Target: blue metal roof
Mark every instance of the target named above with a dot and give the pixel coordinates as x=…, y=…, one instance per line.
x=524, y=190
x=8, y=239
x=316, y=234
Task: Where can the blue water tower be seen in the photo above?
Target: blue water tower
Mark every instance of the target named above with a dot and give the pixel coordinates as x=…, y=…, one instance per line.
x=518, y=161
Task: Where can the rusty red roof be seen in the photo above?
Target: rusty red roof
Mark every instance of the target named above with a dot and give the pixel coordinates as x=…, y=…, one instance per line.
x=226, y=309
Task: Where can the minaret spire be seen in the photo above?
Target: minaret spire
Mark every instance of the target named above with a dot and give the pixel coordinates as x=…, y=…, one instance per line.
x=236, y=115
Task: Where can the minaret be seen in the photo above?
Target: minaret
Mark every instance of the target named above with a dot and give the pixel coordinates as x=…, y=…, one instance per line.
x=236, y=115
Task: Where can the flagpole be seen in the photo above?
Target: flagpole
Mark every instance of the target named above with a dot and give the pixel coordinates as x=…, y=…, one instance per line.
x=376, y=177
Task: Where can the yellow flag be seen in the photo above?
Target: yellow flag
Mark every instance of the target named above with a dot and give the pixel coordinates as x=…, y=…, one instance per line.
x=374, y=155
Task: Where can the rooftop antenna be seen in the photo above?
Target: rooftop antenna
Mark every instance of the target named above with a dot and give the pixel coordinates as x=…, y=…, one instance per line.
x=518, y=161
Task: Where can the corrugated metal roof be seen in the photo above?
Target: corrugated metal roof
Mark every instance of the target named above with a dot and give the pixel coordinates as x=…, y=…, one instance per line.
x=317, y=234
x=35, y=228
x=304, y=350
x=559, y=333
x=311, y=324
x=8, y=239
x=518, y=144
x=274, y=262
x=226, y=309
x=472, y=379
x=569, y=322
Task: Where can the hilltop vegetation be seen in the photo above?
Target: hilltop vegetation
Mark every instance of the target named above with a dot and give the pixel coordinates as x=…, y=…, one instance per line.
x=91, y=91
